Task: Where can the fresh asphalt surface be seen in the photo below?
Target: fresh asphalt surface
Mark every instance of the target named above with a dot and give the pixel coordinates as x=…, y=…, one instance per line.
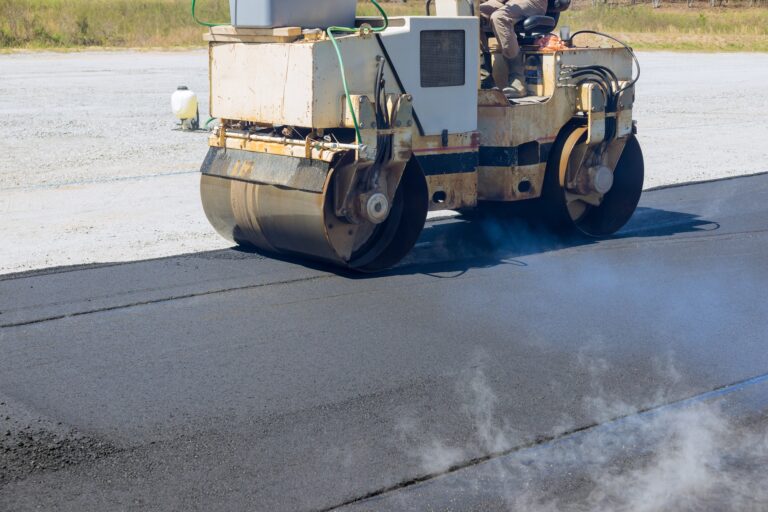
x=229, y=381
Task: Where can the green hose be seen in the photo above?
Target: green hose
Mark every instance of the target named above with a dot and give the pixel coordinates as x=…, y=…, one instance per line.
x=330, y=32
x=204, y=23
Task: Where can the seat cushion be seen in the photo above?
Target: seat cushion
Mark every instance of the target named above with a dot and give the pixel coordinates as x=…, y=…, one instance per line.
x=536, y=25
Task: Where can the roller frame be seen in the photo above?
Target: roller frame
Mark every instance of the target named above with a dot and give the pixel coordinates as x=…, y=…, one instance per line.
x=316, y=208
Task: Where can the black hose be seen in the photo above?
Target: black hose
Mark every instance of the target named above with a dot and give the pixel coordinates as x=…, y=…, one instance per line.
x=605, y=73
x=598, y=78
x=396, y=76
x=608, y=77
x=600, y=84
x=378, y=86
x=383, y=122
x=610, y=125
x=622, y=43
x=609, y=72
x=604, y=88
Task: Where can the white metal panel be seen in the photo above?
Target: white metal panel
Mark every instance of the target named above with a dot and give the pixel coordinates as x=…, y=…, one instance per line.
x=291, y=83
x=360, y=65
x=438, y=108
x=300, y=84
x=453, y=7
x=617, y=59
x=268, y=83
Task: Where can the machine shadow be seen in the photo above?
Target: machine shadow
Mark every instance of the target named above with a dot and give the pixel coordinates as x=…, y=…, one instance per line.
x=449, y=248
x=458, y=245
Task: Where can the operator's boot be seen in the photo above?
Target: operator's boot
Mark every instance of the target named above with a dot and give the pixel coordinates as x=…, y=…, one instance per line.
x=516, y=88
x=486, y=73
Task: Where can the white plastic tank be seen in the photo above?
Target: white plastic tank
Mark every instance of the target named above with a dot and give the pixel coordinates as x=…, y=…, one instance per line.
x=292, y=13
x=184, y=103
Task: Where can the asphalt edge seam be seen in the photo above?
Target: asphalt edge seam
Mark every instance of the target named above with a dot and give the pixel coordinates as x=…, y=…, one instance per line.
x=715, y=393
x=159, y=300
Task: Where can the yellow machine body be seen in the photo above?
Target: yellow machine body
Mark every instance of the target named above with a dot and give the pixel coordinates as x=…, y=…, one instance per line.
x=287, y=170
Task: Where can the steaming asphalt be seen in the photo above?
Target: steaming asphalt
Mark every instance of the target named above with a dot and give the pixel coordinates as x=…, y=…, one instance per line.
x=227, y=381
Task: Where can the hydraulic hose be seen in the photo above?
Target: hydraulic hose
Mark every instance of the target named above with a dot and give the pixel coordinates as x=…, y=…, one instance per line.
x=613, y=83
x=350, y=30
x=622, y=43
x=609, y=88
x=609, y=72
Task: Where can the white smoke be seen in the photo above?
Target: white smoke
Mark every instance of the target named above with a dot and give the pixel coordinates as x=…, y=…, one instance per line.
x=686, y=459
x=490, y=434
x=675, y=458
x=679, y=459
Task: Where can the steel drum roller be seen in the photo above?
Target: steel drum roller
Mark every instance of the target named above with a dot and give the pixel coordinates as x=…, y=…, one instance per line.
x=277, y=218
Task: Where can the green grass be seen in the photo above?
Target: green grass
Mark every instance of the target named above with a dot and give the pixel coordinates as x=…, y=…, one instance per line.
x=644, y=19
x=121, y=23
x=678, y=28
x=45, y=24
x=366, y=8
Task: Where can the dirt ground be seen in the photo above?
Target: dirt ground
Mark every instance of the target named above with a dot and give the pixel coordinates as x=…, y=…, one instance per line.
x=93, y=171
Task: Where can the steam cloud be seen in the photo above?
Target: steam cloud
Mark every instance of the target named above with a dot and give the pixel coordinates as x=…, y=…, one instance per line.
x=689, y=458
x=692, y=458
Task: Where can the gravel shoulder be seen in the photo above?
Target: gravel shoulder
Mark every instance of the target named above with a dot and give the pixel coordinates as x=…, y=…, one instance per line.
x=96, y=173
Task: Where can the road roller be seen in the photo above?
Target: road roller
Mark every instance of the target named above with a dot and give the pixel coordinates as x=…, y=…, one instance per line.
x=335, y=142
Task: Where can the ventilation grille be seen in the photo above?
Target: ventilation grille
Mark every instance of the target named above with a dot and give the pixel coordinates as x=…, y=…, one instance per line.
x=442, y=58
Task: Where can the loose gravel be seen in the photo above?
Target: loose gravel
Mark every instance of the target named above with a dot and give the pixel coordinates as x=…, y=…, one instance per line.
x=93, y=171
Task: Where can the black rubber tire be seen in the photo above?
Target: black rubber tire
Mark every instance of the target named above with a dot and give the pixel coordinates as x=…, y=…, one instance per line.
x=617, y=206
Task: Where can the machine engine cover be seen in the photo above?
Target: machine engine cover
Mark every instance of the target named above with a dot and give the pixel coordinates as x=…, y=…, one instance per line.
x=299, y=83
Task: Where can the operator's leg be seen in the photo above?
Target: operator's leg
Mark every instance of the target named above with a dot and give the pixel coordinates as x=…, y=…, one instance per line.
x=499, y=68
x=503, y=22
x=489, y=7
x=487, y=71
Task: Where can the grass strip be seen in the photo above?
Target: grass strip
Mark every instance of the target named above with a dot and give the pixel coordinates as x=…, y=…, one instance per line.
x=76, y=24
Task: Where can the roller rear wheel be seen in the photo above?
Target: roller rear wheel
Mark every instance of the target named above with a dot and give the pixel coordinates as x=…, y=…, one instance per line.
x=587, y=210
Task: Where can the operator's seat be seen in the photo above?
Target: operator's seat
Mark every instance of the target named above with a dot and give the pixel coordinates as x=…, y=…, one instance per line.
x=536, y=25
